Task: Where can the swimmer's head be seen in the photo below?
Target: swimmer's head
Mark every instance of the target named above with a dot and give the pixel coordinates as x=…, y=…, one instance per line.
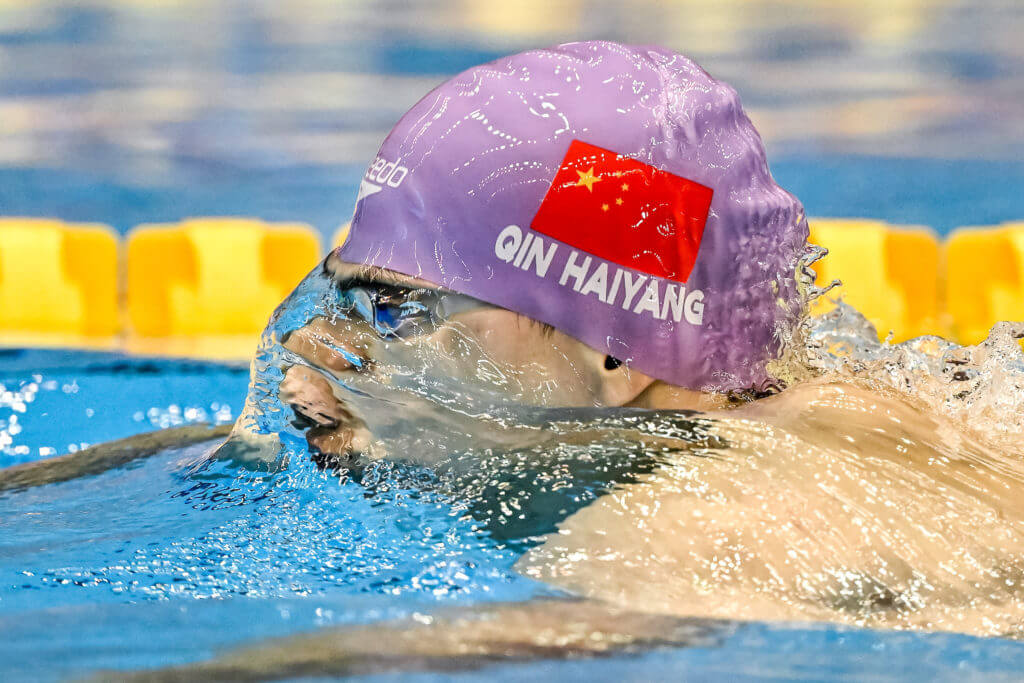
x=617, y=194
x=591, y=225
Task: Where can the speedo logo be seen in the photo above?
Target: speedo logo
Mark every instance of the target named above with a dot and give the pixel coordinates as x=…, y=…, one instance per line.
x=386, y=172
x=381, y=173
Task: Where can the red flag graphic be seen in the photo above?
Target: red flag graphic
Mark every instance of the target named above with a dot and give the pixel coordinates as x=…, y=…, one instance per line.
x=625, y=211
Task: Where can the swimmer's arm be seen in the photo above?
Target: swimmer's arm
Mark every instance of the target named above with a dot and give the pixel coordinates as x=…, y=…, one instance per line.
x=105, y=456
x=451, y=641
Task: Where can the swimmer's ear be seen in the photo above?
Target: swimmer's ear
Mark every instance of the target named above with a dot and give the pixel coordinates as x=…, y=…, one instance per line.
x=620, y=384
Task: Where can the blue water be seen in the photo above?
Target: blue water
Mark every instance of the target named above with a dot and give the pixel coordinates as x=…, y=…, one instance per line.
x=155, y=563
x=127, y=113
x=161, y=563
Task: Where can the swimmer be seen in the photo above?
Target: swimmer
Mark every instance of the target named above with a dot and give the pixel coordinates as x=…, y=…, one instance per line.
x=594, y=227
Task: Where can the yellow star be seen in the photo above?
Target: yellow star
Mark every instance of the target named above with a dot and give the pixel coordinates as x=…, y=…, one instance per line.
x=619, y=201
x=588, y=178
x=604, y=207
x=625, y=187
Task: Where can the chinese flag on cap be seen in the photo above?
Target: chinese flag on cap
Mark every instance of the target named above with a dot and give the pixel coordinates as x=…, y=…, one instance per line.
x=625, y=211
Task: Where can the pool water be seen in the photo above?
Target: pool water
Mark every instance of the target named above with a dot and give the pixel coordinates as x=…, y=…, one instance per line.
x=127, y=113
x=162, y=562
x=104, y=552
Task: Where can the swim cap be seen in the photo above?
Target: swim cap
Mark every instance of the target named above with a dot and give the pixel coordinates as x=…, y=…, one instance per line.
x=617, y=193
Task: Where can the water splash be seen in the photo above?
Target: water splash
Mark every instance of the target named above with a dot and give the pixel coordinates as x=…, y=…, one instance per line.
x=878, y=487
x=979, y=388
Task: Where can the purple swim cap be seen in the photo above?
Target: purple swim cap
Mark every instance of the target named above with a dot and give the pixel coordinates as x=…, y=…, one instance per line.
x=617, y=193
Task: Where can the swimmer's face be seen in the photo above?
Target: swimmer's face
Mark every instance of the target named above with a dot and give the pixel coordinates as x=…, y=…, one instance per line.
x=459, y=354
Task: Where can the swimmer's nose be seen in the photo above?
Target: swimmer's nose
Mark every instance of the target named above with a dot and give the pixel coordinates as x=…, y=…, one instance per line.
x=324, y=347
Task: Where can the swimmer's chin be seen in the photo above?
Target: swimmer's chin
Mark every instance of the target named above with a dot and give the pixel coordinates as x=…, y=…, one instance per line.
x=248, y=448
x=328, y=449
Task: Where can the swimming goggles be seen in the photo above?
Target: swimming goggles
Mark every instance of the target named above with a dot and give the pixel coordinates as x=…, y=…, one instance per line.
x=398, y=312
